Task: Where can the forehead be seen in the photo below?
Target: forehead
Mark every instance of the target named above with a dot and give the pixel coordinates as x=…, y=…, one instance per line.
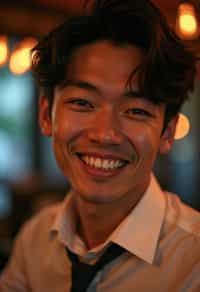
x=104, y=63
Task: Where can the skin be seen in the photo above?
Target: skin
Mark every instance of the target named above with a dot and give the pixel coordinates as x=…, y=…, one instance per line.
x=95, y=113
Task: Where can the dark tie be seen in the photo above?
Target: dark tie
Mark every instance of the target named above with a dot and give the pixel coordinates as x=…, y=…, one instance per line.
x=83, y=274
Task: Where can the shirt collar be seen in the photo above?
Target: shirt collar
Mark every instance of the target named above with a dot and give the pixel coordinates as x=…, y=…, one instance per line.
x=138, y=233
x=65, y=222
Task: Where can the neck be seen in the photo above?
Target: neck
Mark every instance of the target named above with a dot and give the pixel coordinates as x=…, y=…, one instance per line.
x=98, y=221
x=95, y=226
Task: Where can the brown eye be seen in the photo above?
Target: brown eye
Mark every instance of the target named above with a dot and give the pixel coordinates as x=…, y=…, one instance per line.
x=139, y=111
x=80, y=104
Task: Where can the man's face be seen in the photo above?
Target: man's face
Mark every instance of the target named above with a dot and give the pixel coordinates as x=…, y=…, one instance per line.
x=105, y=137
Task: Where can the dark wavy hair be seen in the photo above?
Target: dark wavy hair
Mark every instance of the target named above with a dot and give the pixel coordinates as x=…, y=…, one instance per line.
x=165, y=76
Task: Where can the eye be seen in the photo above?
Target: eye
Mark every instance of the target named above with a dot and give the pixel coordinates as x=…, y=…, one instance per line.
x=80, y=104
x=139, y=112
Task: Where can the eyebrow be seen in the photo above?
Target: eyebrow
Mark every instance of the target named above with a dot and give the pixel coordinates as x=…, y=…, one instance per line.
x=80, y=84
x=91, y=87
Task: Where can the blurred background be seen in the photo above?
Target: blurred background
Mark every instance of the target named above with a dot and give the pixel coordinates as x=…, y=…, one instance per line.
x=29, y=177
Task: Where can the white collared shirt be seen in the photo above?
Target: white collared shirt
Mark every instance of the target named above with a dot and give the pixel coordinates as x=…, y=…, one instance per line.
x=65, y=226
x=161, y=236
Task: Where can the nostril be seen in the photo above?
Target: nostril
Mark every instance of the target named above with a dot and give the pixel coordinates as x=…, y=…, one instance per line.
x=105, y=137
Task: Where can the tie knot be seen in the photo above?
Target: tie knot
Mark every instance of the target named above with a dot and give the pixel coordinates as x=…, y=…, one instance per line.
x=83, y=274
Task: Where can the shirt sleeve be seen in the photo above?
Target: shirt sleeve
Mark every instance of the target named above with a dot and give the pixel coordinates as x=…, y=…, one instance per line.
x=14, y=277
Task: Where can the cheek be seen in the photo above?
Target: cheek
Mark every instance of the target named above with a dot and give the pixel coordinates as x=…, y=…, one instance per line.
x=146, y=140
x=62, y=136
x=65, y=127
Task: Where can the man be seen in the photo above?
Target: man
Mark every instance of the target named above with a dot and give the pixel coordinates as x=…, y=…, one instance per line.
x=112, y=82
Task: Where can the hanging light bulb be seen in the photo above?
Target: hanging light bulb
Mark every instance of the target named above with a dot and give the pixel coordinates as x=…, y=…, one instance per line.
x=20, y=60
x=3, y=50
x=187, y=26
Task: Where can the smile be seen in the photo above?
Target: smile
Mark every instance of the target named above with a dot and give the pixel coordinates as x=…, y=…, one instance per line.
x=100, y=163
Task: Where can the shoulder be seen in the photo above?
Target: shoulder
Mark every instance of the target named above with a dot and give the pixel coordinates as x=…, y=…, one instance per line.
x=181, y=215
x=29, y=251
x=38, y=227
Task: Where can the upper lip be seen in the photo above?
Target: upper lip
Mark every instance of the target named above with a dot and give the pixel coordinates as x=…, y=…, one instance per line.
x=104, y=155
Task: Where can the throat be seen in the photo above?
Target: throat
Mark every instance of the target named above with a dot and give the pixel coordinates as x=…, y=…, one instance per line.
x=97, y=221
x=96, y=225
x=94, y=235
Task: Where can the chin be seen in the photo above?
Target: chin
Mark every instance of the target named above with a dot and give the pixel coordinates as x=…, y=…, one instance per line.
x=101, y=196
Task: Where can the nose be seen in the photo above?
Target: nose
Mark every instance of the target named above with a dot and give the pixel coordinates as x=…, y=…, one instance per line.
x=105, y=129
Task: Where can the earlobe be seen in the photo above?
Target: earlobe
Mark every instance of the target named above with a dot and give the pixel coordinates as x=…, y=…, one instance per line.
x=165, y=147
x=44, y=116
x=167, y=138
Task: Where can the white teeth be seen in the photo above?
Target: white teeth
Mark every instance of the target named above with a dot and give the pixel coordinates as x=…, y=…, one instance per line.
x=105, y=164
x=91, y=161
x=102, y=163
x=118, y=163
x=97, y=163
x=87, y=159
x=112, y=164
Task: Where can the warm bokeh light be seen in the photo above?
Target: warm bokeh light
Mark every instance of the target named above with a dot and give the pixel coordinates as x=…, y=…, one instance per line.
x=3, y=50
x=187, y=23
x=20, y=60
x=183, y=127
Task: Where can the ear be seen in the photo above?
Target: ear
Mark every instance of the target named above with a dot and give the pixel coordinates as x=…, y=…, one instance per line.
x=44, y=116
x=167, y=137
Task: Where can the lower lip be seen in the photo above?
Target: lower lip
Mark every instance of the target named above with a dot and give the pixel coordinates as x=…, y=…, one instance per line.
x=101, y=173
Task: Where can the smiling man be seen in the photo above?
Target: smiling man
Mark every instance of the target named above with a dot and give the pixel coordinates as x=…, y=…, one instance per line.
x=113, y=82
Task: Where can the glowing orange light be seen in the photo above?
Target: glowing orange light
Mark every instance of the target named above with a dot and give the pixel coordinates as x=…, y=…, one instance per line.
x=3, y=50
x=20, y=60
x=183, y=127
x=187, y=24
